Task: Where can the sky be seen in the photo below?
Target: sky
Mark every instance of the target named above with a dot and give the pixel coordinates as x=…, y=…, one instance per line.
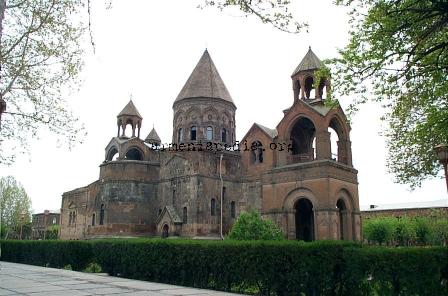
x=147, y=50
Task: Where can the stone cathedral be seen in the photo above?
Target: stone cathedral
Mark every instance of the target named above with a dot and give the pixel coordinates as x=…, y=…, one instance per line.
x=287, y=173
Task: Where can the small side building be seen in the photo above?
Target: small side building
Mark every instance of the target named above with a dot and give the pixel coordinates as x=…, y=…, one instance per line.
x=435, y=209
x=42, y=222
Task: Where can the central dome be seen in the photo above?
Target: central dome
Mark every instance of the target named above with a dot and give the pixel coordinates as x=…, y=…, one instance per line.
x=205, y=82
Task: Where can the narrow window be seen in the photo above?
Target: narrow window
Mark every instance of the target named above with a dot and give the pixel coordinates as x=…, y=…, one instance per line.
x=213, y=207
x=174, y=197
x=223, y=193
x=223, y=135
x=209, y=133
x=193, y=133
x=102, y=215
x=160, y=212
x=184, y=216
x=180, y=135
x=232, y=209
x=93, y=219
x=70, y=219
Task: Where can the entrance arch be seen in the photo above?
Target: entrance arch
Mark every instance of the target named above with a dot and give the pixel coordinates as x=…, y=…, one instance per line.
x=304, y=219
x=165, y=231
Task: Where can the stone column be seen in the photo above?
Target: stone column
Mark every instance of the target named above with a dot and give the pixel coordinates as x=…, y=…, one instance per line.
x=344, y=152
x=323, y=145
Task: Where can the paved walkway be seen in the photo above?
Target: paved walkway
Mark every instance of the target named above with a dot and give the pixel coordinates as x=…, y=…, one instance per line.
x=21, y=279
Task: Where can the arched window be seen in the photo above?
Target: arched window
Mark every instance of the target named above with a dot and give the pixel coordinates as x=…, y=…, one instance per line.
x=209, y=133
x=213, y=207
x=93, y=219
x=309, y=91
x=256, y=152
x=113, y=154
x=193, y=131
x=180, y=135
x=232, y=209
x=159, y=212
x=184, y=215
x=223, y=135
x=342, y=210
x=302, y=137
x=134, y=154
x=102, y=214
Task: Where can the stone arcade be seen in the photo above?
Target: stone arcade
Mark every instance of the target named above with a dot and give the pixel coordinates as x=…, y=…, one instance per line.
x=310, y=193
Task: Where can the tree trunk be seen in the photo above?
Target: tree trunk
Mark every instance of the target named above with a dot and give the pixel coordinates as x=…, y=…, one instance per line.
x=2, y=15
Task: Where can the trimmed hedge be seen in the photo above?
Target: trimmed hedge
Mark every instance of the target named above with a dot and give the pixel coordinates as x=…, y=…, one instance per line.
x=258, y=267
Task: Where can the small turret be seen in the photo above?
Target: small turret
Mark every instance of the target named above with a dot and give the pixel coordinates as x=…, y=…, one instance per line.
x=303, y=79
x=153, y=138
x=129, y=115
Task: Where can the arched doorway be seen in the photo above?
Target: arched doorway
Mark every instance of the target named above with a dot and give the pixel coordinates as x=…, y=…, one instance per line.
x=165, y=231
x=342, y=211
x=304, y=220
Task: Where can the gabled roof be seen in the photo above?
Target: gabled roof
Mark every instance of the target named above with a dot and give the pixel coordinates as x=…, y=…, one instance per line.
x=130, y=110
x=309, y=62
x=205, y=82
x=172, y=213
x=153, y=137
x=271, y=132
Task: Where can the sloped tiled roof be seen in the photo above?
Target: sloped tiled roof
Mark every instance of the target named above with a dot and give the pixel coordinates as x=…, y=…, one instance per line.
x=205, y=82
x=442, y=203
x=153, y=136
x=309, y=62
x=130, y=110
x=173, y=214
x=271, y=132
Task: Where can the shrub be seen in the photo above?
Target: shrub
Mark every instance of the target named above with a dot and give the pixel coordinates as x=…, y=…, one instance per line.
x=258, y=267
x=250, y=226
x=379, y=230
x=93, y=268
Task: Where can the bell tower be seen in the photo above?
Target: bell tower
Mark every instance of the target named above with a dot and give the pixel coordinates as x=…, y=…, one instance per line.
x=304, y=80
x=129, y=115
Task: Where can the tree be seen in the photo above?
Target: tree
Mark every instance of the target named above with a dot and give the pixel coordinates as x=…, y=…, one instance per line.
x=15, y=206
x=398, y=56
x=250, y=226
x=273, y=12
x=41, y=58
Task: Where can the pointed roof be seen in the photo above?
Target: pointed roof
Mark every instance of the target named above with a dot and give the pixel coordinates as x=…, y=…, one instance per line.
x=205, y=82
x=271, y=132
x=130, y=110
x=309, y=62
x=153, y=137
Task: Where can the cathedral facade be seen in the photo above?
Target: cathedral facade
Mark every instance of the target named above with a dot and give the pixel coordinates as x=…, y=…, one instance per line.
x=200, y=183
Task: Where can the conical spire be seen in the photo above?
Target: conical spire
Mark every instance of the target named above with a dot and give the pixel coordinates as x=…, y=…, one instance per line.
x=153, y=137
x=205, y=82
x=309, y=62
x=130, y=110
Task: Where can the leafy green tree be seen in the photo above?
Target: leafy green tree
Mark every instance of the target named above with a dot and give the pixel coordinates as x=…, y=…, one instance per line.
x=440, y=232
x=423, y=230
x=15, y=206
x=52, y=232
x=41, y=58
x=250, y=226
x=274, y=12
x=398, y=56
x=379, y=230
x=405, y=233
